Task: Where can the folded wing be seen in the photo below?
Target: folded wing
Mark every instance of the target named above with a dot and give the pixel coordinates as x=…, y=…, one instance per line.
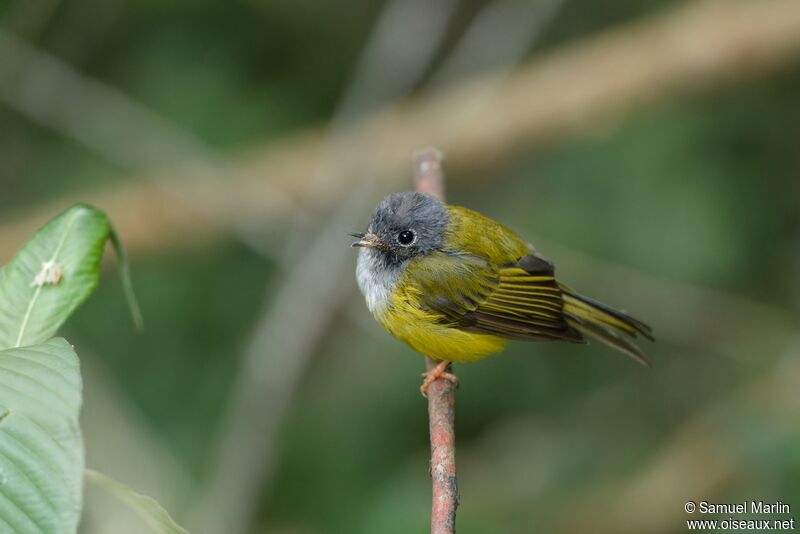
x=516, y=301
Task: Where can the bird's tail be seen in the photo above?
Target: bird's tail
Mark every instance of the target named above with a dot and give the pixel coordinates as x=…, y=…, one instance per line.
x=605, y=324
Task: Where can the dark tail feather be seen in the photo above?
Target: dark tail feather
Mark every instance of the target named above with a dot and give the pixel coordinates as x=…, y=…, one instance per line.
x=605, y=324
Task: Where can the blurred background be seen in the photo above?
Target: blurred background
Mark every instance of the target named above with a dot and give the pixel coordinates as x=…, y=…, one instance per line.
x=650, y=148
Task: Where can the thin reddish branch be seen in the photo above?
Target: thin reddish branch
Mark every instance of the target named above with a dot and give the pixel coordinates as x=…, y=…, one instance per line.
x=441, y=414
x=441, y=393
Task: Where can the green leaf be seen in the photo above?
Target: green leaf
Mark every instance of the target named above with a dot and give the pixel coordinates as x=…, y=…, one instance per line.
x=53, y=274
x=41, y=448
x=148, y=509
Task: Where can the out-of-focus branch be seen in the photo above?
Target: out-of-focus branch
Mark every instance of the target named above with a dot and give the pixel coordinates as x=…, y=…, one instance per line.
x=698, y=45
x=129, y=135
x=496, y=41
x=429, y=176
x=441, y=392
x=91, y=113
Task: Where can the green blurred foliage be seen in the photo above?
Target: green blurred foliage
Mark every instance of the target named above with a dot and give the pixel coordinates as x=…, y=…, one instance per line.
x=701, y=190
x=198, y=306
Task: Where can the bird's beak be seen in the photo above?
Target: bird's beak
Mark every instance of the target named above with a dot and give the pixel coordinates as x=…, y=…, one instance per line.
x=367, y=240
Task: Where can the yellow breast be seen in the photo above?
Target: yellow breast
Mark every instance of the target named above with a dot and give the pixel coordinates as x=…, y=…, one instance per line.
x=405, y=320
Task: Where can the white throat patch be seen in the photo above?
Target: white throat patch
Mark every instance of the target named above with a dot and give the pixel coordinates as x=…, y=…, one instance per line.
x=376, y=280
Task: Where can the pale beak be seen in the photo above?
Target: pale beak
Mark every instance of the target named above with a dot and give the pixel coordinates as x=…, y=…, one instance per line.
x=367, y=240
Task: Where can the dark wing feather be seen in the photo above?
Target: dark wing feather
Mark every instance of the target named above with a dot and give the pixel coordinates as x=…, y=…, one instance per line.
x=524, y=305
x=517, y=301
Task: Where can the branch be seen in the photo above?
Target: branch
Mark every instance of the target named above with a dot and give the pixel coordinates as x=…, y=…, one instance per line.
x=441, y=393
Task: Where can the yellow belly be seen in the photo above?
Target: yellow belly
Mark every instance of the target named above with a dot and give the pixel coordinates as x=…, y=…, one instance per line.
x=424, y=334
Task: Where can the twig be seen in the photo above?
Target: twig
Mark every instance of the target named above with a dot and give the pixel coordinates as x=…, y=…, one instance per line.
x=441, y=393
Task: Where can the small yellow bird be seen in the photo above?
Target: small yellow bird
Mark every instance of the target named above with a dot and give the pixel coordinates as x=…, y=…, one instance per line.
x=456, y=285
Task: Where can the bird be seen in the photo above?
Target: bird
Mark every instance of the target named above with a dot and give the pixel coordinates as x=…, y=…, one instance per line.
x=456, y=286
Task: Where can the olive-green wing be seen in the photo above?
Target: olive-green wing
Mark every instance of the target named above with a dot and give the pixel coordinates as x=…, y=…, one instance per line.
x=520, y=300
x=524, y=305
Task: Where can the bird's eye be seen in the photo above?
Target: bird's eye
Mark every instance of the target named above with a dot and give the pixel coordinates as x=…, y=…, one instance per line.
x=406, y=238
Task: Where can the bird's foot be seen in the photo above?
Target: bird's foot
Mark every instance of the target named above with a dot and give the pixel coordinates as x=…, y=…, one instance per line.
x=442, y=370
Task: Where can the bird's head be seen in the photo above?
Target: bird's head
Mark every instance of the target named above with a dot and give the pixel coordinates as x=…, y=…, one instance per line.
x=404, y=226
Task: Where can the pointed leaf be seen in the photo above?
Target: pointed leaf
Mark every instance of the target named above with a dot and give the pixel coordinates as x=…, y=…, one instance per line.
x=148, y=508
x=41, y=448
x=53, y=274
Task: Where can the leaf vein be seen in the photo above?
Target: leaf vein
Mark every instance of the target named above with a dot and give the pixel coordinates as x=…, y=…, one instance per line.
x=38, y=291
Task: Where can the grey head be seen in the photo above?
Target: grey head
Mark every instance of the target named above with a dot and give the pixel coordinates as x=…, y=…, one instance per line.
x=404, y=226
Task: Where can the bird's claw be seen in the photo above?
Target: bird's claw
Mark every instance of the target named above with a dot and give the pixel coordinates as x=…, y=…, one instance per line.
x=440, y=371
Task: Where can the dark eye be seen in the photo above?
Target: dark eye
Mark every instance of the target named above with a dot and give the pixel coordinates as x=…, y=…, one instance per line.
x=406, y=237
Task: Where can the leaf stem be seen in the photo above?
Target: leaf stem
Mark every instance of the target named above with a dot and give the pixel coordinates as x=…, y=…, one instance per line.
x=127, y=283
